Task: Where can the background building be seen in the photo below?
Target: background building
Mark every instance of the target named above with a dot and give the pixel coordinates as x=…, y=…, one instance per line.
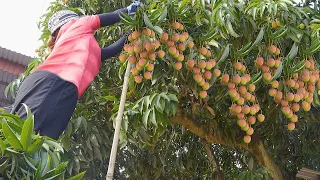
x=11, y=65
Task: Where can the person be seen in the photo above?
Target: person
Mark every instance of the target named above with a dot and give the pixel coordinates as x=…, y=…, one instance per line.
x=52, y=90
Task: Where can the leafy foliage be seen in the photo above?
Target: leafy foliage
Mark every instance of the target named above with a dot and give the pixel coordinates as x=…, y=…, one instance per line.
x=26, y=155
x=153, y=145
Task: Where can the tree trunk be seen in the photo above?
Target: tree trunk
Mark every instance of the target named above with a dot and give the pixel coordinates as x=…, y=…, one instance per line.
x=213, y=160
x=207, y=132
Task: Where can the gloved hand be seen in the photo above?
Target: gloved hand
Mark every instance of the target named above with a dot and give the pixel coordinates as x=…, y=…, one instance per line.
x=132, y=8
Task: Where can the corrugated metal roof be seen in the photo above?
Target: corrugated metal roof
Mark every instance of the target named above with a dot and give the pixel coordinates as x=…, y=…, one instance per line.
x=14, y=56
x=11, y=65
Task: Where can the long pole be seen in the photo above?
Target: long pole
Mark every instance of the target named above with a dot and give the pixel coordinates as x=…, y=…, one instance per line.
x=115, y=143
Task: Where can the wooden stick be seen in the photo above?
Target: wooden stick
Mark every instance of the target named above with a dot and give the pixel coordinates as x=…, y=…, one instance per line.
x=115, y=143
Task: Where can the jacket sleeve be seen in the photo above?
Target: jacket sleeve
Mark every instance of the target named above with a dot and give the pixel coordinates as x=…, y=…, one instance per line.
x=114, y=49
x=107, y=19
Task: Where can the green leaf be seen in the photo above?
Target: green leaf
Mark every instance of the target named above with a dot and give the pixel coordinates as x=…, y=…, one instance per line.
x=54, y=144
x=10, y=136
x=78, y=176
x=35, y=146
x=145, y=118
x=29, y=163
x=15, y=119
x=163, y=15
x=27, y=131
x=153, y=118
x=77, y=123
x=2, y=146
x=173, y=97
x=278, y=72
x=225, y=54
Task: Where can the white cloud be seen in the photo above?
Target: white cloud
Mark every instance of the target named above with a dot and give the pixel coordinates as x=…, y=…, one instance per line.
x=18, y=24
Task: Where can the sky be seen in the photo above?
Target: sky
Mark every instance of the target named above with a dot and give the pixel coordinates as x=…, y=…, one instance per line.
x=18, y=24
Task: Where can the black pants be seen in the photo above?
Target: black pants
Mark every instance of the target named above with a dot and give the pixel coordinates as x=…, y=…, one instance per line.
x=51, y=99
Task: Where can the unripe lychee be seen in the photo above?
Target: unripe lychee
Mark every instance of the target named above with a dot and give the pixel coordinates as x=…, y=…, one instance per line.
x=161, y=54
x=294, y=118
x=150, y=67
x=253, y=110
x=285, y=110
x=240, y=115
x=138, y=79
x=196, y=70
x=207, y=75
x=206, y=86
x=178, y=65
x=190, y=63
x=209, y=65
x=291, y=83
x=175, y=37
x=232, y=93
x=237, y=66
x=190, y=44
x=247, y=96
x=202, y=82
x=139, y=68
x=147, y=75
x=137, y=49
x=236, y=79
x=309, y=99
x=132, y=59
x=202, y=64
x=272, y=92
x=242, y=90
x=290, y=97
x=252, y=98
x=284, y=102
x=180, y=57
x=267, y=76
x=247, y=139
x=176, y=55
x=225, y=78
x=250, y=131
x=148, y=46
x=143, y=54
x=295, y=107
x=134, y=71
x=279, y=95
x=246, y=109
x=240, y=101
x=272, y=49
x=259, y=61
x=265, y=68
x=142, y=62
x=246, y=127
x=277, y=63
x=216, y=72
x=152, y=56
x=122, y=58
x=244, y=80
x=203, y=51
x=135, y=35
x=208, y=54
x=291, y=126
x=271, y=62
x=242, y=123
x=170, y=43
x=197, y=78
x=277, y=52
x=231, y=85
x=251, y=87
x=203, y=94
x=182, y=38
x=164, y=37
x=172, y=50
x=261, y=117
x=306, y=106
x=181, y=47
x=275, y=84
x=296, y=98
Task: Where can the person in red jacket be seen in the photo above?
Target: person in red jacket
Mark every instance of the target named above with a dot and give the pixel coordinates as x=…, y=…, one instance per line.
x=52, y=90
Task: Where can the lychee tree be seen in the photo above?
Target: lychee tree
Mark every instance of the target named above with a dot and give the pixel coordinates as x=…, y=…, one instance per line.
x=241, y=76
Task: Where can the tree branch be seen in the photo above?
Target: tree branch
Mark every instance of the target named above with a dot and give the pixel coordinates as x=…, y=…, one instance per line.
x=208, y=133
